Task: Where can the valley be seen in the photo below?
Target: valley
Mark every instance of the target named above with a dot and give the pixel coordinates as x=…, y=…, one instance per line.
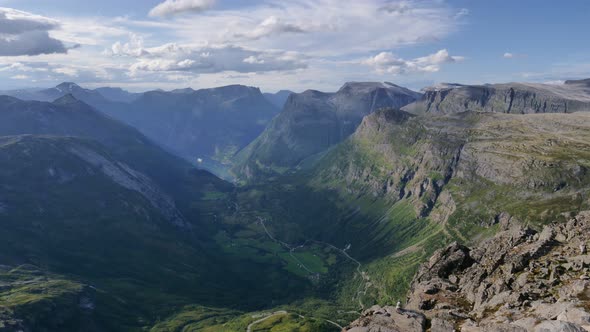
x=294, y=166
x=161, y=244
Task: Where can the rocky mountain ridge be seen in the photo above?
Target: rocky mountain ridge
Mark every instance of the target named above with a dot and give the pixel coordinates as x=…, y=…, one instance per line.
x=516, y=98
x=519, y=280
x=439, y=162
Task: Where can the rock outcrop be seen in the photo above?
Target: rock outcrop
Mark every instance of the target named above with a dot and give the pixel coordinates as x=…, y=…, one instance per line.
x=388, y=319
x=517, y=98
x=519, y=280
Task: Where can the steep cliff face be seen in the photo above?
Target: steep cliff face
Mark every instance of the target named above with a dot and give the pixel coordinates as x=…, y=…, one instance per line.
x=462, y=157
x=313, y=121
x=516, y=98
x=519, y=280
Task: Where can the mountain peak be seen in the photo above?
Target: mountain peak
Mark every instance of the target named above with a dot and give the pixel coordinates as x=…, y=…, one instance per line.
x=67, y=87
x=238, y=88
x=66, y=99
x=185, y=90
x=364, y=87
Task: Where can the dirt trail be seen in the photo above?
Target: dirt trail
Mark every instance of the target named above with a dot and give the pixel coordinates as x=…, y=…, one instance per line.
x=276, y=313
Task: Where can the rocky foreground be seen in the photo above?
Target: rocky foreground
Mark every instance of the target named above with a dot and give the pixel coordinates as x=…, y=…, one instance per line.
x=519, y=280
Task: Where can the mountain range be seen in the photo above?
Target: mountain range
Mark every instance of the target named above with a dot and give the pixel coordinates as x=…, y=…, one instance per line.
x=112, y=221
x=209, y=125
x=313, y=121
x=517, y=98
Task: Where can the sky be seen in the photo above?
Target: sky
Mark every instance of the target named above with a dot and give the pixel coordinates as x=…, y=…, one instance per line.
x=297, y=44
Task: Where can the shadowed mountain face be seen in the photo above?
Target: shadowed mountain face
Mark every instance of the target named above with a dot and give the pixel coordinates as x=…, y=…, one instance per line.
x=139, y=165
x=313, y=121
x=68, y=116
x=86, y=196
x=117, y=94
x=278, y=99
x=208, y=124
x=517, y=98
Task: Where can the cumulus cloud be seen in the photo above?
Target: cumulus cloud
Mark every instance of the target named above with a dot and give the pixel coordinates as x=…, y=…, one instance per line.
x=175, y=7
x=388, y=63
x=272, y=26
x=312, y=43
x=213, y=59
x=323, y=27
x=45, y=71
x=134, y=47
x=23, y=33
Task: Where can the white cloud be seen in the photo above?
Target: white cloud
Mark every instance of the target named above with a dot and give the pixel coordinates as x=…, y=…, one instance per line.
x=213, y=59
x=90, y=31
x=272, y=26
x=20, y=77
x=57, y=72
x=398, y=8
x=133, y=48
x=23, y=33
x=253, y=59
x=322, y=27
x=24, y=67
x=509, y=55
x=174, y=7
x=67, y=71
x=388, y=63
x=293, y=44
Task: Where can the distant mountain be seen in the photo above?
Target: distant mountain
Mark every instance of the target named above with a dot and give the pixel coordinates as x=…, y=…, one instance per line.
x=313, y=121
x=517, y=98
x=93, y=97
x=208, y=124
x=583, y=82
x=68, y=116
x=279, y=98
x=25, y=94
x=117, y=94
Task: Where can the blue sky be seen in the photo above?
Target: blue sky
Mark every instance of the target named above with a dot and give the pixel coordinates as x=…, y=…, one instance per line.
x=297, y=44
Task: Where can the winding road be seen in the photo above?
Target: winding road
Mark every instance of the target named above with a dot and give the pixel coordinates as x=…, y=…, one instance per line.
x=359, y=265
x=276, y=313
